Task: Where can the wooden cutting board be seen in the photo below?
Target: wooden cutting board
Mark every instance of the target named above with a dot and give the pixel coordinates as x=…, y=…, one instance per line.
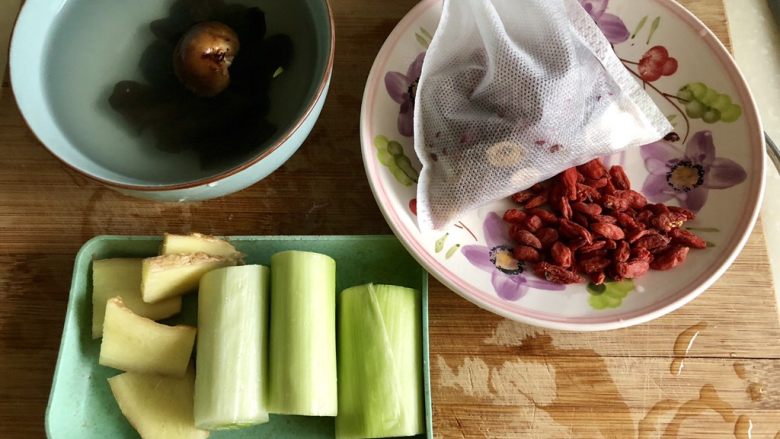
x=491, y=377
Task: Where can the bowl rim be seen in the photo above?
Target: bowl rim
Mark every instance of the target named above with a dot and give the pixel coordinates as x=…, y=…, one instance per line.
x=658, y=309
x=310, y=106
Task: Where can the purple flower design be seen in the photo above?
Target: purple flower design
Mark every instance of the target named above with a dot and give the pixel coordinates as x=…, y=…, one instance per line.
x=496, y=258
x=611, y=25
x=402, y=89
x=688, y=177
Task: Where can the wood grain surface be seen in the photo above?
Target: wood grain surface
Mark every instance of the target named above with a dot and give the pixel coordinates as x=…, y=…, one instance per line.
x=491, y=377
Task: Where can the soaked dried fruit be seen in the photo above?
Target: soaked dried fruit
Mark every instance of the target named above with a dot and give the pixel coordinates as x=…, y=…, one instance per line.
x=672, y=257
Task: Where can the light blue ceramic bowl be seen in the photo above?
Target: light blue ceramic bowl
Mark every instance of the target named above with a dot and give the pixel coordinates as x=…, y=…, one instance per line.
x=67, y=54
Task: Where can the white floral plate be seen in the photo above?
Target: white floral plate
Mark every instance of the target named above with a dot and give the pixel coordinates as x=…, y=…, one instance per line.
x=715, y=168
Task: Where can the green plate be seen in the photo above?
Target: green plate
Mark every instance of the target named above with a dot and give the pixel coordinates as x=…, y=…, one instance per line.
x=81, y=404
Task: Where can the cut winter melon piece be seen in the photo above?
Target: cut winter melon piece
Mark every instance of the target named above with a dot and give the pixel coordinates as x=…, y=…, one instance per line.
x=158, y=407
x=173, y=275
x=136, y=344
x=122, y=278
x=197, y=243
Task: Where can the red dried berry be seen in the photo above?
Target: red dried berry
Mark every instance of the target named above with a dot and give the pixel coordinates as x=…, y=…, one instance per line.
x=565, y=208
x=587, y=193
x=514, y=216
x=636, y=200
x=522, y=197
x=619, y=177
x=533, y=223
x=670, y=258
x=536, y=201
x=524, y=237
x=644, y=217
x=556, y=274
x=622, y=251
x=589, y=209
x=538, y=188
x=615, y=202
x=632, y=269
x=651, y=242
x=598, y=183
x=598, y=278
x=546, y=216
x=547, y=236
x=611, y=244
x=580, y=219
x=627, y=221
x=594, y=264
x=687, y=238
x=525, y=253
x=609, y=219
x=590, y=248
x=609, y=231
x=689, y=215
x=658, y=208
x=561, y=254
x=594, y=169
x=577, y=243
x=569, y=182
x=668, y=221
x=640, y=254
x=639, y=234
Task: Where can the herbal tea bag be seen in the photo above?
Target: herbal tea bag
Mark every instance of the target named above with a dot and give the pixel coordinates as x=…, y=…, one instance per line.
x=513, y=93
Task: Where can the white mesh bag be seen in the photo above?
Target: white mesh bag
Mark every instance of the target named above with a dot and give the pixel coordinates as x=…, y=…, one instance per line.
x=513, y=92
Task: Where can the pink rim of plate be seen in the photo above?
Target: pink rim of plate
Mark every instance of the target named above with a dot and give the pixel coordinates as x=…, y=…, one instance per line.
x=496, y=305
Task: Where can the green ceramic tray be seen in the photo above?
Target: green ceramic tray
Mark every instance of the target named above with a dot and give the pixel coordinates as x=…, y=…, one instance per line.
x=81, y=405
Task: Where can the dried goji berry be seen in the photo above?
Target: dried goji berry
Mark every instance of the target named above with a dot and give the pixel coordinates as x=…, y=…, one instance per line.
x=640, y=254
x=593, y=169
x=561, y=254
x=622, y=251
x=526, y=254
x=652, y=241
x=569, y=182
x=525, y=237
x=590, y=248
x=536, y=201
x=587, y=193
x=598, y=183
x=532, y=223
x=522, y=197
x=610, y=244
x=609, y=231
x=538, y=188
x=514, y=216
x=577, y=243
x=687, y=238
x=689, y=215
x=632, y=269
x=627, y=221
x=565, y=208
x=547, y=236
x=670, y=258
x=615, y=202
x=635, y=199
x=589, y=209
x=608, y=189
x=546, y=216
x=594, y=264
x=644, y=217
x=668, y=221
x=609, y=219
x=619, y=177
x=658, y=208
x=638, y=234
x=580, y=219
x=598, y=278
x=556, y=274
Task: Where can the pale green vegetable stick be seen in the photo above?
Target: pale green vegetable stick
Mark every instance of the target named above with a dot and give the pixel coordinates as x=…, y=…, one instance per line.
x=302, y=350
x=380, y=362
x=231, y=368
